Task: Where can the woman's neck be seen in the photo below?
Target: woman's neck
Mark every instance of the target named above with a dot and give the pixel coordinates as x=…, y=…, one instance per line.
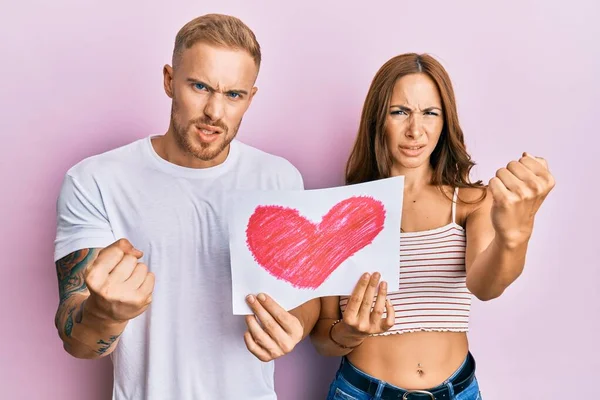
x=415, y=179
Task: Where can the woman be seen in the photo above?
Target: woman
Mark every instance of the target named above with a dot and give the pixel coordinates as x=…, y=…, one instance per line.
x=457, y=238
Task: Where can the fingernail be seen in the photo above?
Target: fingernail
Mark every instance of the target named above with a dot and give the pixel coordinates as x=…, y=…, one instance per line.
x=377, y=275
x=367, y=275
x=384, y=285
x=250, y=299
x=262, y=297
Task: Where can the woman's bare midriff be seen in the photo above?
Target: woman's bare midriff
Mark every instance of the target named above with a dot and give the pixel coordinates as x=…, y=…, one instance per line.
x=395, y=358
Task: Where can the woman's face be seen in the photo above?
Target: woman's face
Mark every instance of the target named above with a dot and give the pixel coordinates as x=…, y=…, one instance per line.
x=414, y=122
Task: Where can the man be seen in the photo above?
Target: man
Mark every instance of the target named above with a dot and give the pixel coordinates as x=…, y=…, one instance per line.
x=142, y=245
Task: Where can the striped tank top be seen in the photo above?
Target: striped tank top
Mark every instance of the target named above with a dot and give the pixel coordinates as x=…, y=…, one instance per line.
x=433, y=294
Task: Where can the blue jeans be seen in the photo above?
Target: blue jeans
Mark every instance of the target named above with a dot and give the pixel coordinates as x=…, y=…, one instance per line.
x=341, y=389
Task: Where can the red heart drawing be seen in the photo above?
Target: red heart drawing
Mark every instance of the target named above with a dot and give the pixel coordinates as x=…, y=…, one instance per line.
x=292, y=248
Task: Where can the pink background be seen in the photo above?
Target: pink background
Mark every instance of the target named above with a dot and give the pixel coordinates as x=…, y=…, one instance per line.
x=79, y=78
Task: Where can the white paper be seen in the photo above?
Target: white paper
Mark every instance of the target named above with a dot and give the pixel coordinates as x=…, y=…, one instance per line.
x=290, y=286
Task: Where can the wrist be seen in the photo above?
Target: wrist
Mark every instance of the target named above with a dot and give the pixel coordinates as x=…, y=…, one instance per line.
x=94, y=317
x=341, y=335
x=95, y=332
x=514, y=243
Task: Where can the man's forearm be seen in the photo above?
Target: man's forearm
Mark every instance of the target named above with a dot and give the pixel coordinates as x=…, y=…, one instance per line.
x=84, y=335
x=495, y=269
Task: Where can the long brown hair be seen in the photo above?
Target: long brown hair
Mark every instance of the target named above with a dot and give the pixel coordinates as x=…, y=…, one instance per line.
x=371, y=159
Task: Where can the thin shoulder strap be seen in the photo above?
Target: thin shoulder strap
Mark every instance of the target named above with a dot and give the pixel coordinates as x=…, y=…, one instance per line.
x=454, y=200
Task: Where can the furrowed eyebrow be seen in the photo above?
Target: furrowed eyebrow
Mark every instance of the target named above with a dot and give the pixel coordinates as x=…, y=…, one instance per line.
x=238, y=91
x=403, y=108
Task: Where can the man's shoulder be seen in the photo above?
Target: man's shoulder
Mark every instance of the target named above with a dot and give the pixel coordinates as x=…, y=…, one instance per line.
x=267, y=161
x=109, y=161
x=273, y=167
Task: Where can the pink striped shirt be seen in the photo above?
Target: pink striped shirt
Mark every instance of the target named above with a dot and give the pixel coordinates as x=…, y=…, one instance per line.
x=433, y=294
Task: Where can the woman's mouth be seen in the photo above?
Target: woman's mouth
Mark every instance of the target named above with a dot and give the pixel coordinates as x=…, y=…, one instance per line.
x=412, y=151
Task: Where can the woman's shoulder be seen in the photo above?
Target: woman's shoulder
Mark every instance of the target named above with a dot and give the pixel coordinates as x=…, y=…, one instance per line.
x=470, y=200
x=466, y=195
x=472, y=194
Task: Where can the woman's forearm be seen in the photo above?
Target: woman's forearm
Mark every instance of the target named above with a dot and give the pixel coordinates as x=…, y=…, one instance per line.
x=325, y=346
x=494, y=269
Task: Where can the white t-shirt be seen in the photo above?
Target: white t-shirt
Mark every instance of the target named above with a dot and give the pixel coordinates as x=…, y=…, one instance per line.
x=188, y=345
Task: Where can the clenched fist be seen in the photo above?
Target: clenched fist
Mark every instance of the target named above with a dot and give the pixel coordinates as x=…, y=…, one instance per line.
x=120, y=286
x=518, y=192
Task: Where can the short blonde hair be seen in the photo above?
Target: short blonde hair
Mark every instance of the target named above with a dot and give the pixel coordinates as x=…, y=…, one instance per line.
x=217, y=30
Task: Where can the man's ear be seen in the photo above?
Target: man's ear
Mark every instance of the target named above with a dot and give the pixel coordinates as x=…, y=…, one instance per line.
x=168, y=80
x=252, y=93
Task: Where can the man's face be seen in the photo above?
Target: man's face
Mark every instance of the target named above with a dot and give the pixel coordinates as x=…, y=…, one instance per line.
x=211, y=87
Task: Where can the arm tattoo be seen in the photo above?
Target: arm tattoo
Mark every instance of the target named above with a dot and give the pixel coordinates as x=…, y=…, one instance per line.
x=70, y=271
x=71, y=280
x=105, y=345
x=69, y=323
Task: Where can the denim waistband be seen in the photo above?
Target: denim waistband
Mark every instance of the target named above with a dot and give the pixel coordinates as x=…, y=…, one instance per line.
x=458, y=381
